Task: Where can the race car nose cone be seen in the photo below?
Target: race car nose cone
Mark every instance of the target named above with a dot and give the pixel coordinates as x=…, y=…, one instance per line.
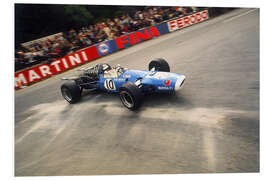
x=179, y=83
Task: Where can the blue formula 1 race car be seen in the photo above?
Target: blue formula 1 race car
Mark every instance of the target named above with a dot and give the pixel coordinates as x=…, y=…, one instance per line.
x=131, y=85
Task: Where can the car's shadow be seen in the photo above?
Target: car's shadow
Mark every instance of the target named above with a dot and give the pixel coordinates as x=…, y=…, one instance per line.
x=166, y=100
x=152, y=100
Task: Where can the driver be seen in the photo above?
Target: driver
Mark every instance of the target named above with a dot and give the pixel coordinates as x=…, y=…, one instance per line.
x=106, y=68
x=112, y=72
x=119, y=69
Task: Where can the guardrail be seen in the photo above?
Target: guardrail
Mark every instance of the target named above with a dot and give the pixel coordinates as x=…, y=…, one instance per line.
x=43, y=71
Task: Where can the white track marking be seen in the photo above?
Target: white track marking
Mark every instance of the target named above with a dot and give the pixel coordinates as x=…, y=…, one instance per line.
x=230, y=19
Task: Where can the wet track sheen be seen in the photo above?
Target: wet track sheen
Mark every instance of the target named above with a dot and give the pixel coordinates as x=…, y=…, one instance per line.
x=211, y=125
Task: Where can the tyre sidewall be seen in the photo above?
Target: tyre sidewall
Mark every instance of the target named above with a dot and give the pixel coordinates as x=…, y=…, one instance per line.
x=135, y=94
x=74, y=91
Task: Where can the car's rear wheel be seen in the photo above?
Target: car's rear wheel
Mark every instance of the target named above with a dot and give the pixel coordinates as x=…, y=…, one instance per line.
x=130, y=96
x=71, y=92
x=159, y=64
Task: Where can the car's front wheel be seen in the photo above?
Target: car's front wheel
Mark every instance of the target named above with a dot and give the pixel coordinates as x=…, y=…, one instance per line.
x=131, y=96
x=159, y=65
x=71, y=92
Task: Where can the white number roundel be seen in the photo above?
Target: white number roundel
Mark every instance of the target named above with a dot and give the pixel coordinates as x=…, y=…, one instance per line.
x=109, y=84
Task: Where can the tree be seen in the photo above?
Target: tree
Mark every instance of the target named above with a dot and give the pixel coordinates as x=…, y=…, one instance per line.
x=78, y=15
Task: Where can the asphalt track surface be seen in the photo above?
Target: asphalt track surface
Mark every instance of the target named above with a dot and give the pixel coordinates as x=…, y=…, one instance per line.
x=210, y=126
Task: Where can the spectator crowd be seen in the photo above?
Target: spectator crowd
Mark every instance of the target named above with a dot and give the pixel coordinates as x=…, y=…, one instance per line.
x=75, y=39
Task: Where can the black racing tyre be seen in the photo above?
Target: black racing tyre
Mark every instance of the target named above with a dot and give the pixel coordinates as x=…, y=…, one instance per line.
x=131, y=96
x=159, y=65
x=71, y=92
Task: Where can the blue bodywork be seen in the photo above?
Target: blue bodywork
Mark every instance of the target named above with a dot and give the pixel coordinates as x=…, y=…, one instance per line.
x=147, y=81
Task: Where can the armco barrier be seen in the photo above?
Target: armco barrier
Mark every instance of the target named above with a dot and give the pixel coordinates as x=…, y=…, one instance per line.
x=43, y=71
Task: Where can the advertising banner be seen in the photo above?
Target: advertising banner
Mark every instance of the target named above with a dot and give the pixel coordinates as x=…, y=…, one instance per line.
x=140, y=36
x=106, y=47
x=130, y=39
x=42, y=71
x=180, y=23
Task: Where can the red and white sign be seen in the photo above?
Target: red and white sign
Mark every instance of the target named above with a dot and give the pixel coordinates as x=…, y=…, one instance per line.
x=42, y=71
x=187, y=20
x=137, y=37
